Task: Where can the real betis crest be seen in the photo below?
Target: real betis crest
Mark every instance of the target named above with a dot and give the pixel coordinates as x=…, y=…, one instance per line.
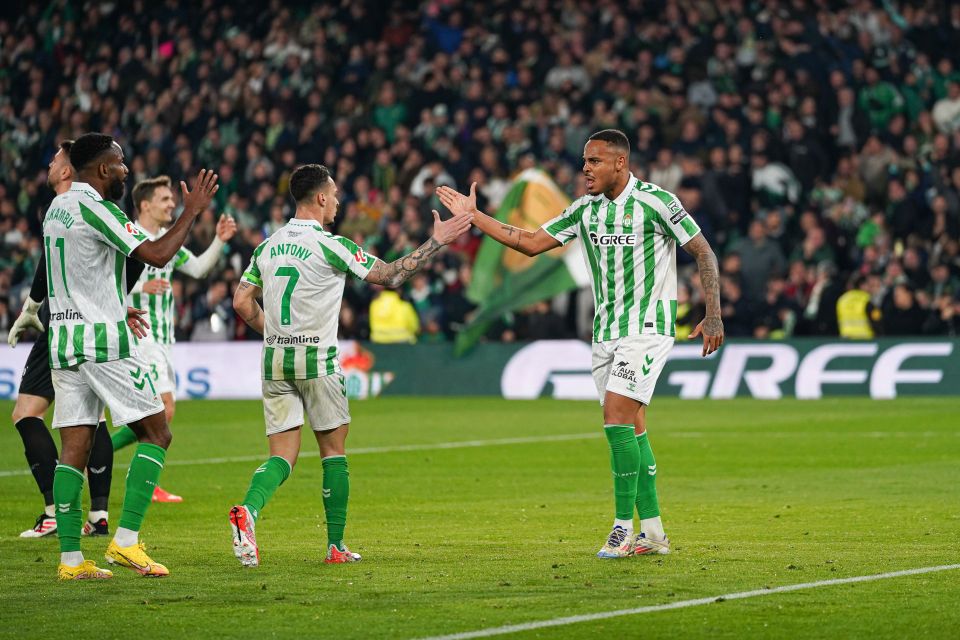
x=628, y=220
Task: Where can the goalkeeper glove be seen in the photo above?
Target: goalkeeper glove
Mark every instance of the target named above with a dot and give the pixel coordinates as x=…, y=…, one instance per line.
x=28, y=318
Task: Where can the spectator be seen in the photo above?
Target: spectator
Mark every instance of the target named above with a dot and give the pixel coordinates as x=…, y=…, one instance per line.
x=857, y=316
x=814, y=249
x=540, y=322
x=773, y=182
x=392, y=319
x=902, y=212
x=213, y=316
x=689, y=313
x=875, y=160
x=567, y=76
x=760, y=259
x=946, y=111
x=665, y=172
x=397, y=101
x=902, y=316
x=879, y=100
x=736, y=311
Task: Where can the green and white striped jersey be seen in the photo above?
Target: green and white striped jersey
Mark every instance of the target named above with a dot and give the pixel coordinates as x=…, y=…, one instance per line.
x=302, y=271
x=630, y=247
x=160, y=306
x=87, y=240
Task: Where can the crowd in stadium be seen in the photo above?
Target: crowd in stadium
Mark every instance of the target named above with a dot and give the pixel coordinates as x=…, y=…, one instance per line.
x=818, y=149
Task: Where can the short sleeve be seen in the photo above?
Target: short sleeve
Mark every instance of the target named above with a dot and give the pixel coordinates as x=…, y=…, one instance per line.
x=673, y=219
x=252, y=274
x=346, y=256
x=111, y=225
x=566, y=226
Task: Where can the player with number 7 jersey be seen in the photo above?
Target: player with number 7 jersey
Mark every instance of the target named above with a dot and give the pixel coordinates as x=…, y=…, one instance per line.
x=301, y=271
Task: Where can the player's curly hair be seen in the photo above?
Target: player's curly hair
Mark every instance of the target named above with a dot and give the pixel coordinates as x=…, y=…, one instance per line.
x=613, y=137
x=88, y=148
x=306, y=180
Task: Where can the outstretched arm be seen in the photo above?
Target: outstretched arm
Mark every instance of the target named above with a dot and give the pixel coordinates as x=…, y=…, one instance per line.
x=395, y=273
x=159, y=252
x=711, y=327
x=246, y=305
x=530, y=243
x=201, y=266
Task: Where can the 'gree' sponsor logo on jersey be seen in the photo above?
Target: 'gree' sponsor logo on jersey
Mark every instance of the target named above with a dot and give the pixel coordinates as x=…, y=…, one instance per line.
x=59, y=215
x=613, y=239
x=288, y=249
x=292, y=340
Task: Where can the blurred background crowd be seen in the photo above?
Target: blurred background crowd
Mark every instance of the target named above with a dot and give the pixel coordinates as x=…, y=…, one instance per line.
x=816, y=142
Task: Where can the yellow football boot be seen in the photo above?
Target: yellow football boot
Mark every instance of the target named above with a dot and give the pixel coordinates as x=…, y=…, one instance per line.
x=86, y=570
x=135, y=557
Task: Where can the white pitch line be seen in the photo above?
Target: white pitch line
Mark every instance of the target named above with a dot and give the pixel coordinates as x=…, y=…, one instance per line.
x=682, y=604
x=438, y=446
x=400, y=448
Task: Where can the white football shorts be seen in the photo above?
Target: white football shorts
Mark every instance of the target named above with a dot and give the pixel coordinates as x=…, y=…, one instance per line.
x=323, y=400
x=159, y=359
x=630, y=366
x=82, y=391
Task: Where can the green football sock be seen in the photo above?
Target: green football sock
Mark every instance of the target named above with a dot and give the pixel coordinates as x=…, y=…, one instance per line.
x=122, y=437
x=336, y=493
x=142, y=477
x=266, y=479
x=67, y=487
x=625, y=463
x=647, y=504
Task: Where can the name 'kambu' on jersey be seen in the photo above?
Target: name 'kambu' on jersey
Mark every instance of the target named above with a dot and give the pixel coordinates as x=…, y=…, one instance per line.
x=84, y=237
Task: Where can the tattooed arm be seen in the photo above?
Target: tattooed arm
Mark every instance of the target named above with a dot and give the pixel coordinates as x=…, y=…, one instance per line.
x=529, y=243
x=395, y=273
x=711, y=327
x=246, y=305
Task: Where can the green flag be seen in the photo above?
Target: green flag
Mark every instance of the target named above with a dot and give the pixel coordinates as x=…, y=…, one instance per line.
x=504, y=279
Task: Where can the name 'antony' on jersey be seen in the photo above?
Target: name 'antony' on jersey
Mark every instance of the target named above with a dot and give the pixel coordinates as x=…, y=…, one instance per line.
x=630, y=247
x=87, y=240
x=302, y=271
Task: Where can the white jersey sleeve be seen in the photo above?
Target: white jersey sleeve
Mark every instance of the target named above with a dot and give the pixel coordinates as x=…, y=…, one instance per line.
x=346, y=256
x=198, y=266
x=566, y=226
x=253, y=274
x=672, y=220
x=111, y=225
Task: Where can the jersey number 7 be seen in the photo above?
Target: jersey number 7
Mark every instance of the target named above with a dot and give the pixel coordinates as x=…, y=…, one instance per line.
x=294, y=277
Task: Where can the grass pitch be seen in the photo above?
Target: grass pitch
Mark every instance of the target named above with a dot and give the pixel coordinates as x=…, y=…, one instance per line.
x=460, y=538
